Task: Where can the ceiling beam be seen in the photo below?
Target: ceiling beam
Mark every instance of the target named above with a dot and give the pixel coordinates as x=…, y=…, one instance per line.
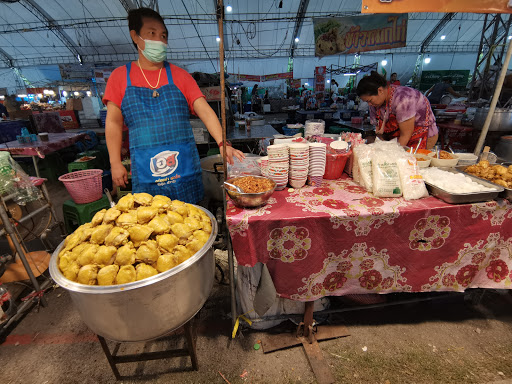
x=41, y=14
x=128, y=5
x=439, y=26
x=301, y=13
x=6, y=58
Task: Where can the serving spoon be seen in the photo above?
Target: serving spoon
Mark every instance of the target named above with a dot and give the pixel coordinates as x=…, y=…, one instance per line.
x=237, y=188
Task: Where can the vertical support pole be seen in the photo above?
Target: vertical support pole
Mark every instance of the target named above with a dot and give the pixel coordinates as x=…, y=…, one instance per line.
x=308, y=317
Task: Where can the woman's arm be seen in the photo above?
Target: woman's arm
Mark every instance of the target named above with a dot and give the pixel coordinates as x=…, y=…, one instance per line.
x=114, y=136
x=406, y=130
x=210, y=119
x=429, y=91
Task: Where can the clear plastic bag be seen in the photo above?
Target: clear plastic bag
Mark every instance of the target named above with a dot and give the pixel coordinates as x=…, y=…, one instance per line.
x=248, y=166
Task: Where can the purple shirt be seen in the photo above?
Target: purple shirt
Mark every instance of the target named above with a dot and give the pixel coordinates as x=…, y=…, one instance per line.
x=407, y=103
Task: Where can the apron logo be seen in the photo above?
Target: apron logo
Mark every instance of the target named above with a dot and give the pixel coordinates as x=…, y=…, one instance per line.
x=164, y=164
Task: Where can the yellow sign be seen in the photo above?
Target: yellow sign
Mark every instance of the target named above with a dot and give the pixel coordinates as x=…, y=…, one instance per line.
x=405, y=6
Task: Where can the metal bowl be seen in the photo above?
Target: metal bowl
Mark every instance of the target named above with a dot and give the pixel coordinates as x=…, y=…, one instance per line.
x=149, y=308
x=250, y=200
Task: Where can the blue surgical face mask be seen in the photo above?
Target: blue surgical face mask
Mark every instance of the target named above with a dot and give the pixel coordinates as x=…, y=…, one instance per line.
x=155, y=51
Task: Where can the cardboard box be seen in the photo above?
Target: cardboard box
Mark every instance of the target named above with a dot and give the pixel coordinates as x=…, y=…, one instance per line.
x=74, y=105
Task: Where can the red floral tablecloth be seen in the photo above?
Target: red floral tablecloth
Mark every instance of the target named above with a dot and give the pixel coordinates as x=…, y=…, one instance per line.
x=41, y=148
x=337, y=239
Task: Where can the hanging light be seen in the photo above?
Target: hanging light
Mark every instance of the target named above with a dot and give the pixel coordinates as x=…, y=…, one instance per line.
x=229, y=8
x=76, y=93
x=328, y=81
x=64, y=93
x=510, y=37
x=88, y=93
x=218, y=39
x=296, y=39
x=384, y=62
x=427, y=60
x=443, y=37
x=39, y=95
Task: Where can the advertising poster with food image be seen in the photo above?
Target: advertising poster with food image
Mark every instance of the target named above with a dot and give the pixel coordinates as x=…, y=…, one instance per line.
x=335, y=35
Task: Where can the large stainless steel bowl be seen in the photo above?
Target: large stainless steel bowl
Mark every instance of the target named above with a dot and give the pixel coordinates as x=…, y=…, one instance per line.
x=501, y=119
x=250, y=200
x=149, y=308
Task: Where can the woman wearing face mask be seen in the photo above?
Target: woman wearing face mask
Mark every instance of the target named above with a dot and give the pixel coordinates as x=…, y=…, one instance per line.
x=400, y=112
x=154, y=99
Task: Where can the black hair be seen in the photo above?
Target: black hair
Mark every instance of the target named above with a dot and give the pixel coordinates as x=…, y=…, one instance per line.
x=369, y=85
x=394, y=73
x=136, y=19
x=447, y=79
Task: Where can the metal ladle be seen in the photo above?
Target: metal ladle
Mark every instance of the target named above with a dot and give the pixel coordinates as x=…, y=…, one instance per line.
x=237, y=188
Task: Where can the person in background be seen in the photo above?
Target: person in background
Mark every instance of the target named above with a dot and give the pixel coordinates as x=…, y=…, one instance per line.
x=393, y=79
x=3, y=111
x=11, y=104
x=334, y=87
x=398, y=112
x=155, y=99
x=255, y=99
x=437, y=91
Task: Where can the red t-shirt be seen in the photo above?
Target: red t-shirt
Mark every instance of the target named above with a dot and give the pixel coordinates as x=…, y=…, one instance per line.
x=116, y=85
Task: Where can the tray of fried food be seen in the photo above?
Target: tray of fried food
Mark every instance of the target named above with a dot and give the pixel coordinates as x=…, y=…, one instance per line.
x=499, y=174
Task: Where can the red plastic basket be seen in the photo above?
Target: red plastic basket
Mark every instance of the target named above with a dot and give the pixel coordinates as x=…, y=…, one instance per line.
x=335, y=164
x=83, y=186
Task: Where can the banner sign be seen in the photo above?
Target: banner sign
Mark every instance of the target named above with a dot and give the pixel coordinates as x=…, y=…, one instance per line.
x=295, y=83
x=319, y=81
x=429, y=78
x=211, y=93
x=102, y=75
x=335, y=35
x=443, y=6
x=256, y=78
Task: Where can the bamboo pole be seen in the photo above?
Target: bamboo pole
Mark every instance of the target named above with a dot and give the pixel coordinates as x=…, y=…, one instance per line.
x=494, y=101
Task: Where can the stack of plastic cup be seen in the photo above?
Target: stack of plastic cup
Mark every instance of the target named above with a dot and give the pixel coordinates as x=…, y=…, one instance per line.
x=278, y=164
x=299, y=164
x=317, y=153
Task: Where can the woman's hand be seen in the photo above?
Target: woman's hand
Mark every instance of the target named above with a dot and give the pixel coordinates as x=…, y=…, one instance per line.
x=230, y=152
x=119, y=174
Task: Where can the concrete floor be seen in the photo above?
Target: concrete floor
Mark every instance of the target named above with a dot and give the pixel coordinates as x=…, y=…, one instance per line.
x=443, y=341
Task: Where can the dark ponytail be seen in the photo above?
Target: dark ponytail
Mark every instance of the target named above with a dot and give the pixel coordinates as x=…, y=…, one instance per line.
x=369, y=85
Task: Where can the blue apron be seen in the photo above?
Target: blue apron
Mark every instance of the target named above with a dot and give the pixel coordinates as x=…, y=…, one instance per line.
x=164, y=155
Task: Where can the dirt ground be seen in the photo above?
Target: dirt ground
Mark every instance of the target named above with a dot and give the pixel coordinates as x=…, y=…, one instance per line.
x=443, y=341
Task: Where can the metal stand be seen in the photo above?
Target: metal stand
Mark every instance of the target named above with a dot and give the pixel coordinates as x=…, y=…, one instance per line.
x=308, y=334
x=114, y=359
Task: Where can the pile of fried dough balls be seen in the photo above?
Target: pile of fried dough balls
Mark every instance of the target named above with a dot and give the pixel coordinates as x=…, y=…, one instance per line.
x=138, y=238
x=498, y=174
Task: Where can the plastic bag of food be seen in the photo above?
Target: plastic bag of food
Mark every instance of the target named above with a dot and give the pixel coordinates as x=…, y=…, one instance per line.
x=386, y=180
x=248, y=166
x=413, y=185
x=363, y=157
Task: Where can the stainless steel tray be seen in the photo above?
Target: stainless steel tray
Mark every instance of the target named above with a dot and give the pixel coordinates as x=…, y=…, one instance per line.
x=507, y=192
x=464, y=198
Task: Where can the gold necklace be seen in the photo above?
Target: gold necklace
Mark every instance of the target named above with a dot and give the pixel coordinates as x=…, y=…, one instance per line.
x=155, y=93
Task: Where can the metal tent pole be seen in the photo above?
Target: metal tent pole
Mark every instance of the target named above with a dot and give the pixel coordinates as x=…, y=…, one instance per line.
x=220, y=22
x=494, y=101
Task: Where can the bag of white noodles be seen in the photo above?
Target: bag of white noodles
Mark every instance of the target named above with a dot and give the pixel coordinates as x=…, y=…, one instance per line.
x=413, y=185
x=363, y=156
x=386, y=181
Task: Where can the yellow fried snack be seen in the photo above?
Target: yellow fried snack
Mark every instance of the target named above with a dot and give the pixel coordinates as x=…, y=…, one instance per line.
x=146, y=214
x=182, y=231
x=71, y=271
x=100, y=233
x=143, y=198
x=148, y=252
x=144, y=271
x=182, y=253
x=159, y=225
x=117, y=237
x=174, y=217
x=161, y=203
x=87, y=255
x=179, y=207
x=104, y=255
x=107, y=275
x=194, y=224
x=126, y=254
x=88, y=274
x=127, y=219
x=111, y=215
x=126, y=274
x=126, y=203
x=98, y=217
x=139, y=233
x=166, y=262
x=167, y=241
